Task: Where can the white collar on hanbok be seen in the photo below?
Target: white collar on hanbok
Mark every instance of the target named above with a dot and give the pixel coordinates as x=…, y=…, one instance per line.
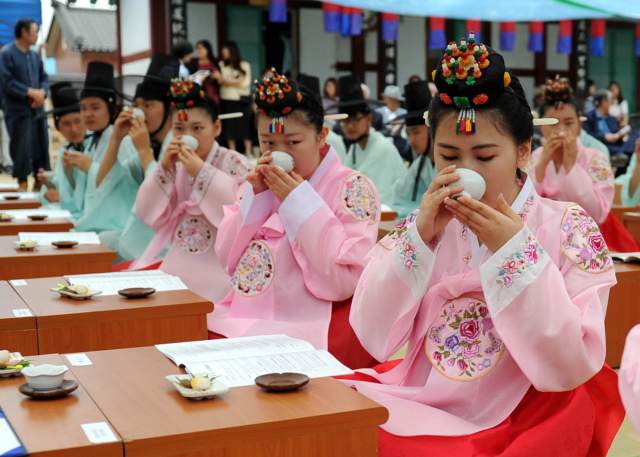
x=478, y=252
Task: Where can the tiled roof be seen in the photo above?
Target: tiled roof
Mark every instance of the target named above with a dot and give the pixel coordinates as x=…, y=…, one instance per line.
x=87, y=29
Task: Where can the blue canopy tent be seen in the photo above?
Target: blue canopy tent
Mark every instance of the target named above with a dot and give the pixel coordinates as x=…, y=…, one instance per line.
x=504, y=10
x=11, y=11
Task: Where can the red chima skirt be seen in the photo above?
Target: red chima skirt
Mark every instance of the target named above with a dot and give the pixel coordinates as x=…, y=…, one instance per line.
x=579, y=423
x=617, y=236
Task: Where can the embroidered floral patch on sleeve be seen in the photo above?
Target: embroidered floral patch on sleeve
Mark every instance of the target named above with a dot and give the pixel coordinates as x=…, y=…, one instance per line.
x=165, y=178
x=408, y=252
x=391, y=240
x=462, y=342
x=359, y=198
x=582, y=241
x=203, y=178
x=237, y=167
x=600, y=170
x=517, y=263
x=526, y=208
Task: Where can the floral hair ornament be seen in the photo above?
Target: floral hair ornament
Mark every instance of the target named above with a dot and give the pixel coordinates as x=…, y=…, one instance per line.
x=558, y=91
x=468, y=76
x=185, y=94
x=276, y=97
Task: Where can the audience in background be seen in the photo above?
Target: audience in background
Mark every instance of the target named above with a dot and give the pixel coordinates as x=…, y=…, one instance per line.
x=235, y=91
x=183, y=50
x=207, y=62
x=591, y=89
x=619, y=108
x=331, y=95
x=606, y=128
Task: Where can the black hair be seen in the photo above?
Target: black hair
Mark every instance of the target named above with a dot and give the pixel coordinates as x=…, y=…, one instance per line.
x=207, y=45
x=335, y=84
x=600, y=95
x=546, y=104
x=415, y=78
x=310, y=110
x=23, y=24
x=209, y=105
x=234, y=56
x=620, y=98
x=509, y=113
x=182, y=49
x=590, y=82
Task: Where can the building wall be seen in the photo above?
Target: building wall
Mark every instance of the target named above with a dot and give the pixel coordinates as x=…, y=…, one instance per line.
x=135, y=26
x=88, y=56
x=319, y=50
x=412, y=48
x=67, y=60
x=201, y=23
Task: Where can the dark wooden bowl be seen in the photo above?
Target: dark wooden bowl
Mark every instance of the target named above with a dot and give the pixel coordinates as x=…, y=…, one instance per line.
x=37, y=217
x=64, y=244
x=137, y=292
x=282, y=382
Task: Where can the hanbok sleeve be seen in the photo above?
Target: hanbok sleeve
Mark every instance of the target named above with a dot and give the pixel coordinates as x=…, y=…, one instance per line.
x=157, y=198
x=629, y=377
x=391, y=288
x=330, y=247
x=551, y=316
x=625, y=180
x=240, y=224
x=592, y=188
x=212, y=190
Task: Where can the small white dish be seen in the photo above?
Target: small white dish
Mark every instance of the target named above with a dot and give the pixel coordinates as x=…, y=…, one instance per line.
x=28, y=245
x=283, y=161
x=190, y=142
x=6, y=217
x=217, y=387
x=474, y=184
x=71, y=293
x=8, y=372
x=137, y=112
x=44, y=377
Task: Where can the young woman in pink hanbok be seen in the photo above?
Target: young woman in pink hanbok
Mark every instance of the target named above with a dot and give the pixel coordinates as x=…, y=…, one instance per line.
x=500, y=300
x=183, y=198
x=564, y=169
x=296, y=244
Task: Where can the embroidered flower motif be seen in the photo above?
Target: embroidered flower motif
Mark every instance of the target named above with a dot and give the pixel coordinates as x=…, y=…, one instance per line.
x=480, y=99
x=517, y=263
x=255, y=270
x=202, y=180
x=466, y=258
x=163, y=177
x=407, y=252
x=526, y=208
x=463, y=232
x=194, y=235
x=392, y=239
x=465, y=339
x=583, y=243
x=600, y=169
x=238, y=167
x=358, y=198
x=445, y=98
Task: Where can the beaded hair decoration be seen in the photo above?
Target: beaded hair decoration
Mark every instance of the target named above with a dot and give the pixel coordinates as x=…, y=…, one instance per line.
x=184, y=95
x=468, y=76
x=276, y=97
x=558, y=91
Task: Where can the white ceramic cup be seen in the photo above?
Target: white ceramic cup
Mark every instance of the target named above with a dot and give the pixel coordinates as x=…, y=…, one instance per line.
x=190, y=142
x=44, y=377
x=48, y=175
x=283, y=161
x=137, y=112
x=474, y=184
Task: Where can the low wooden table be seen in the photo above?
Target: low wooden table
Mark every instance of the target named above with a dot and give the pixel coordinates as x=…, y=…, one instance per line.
x=619, y=210
x=53, y=427
x=112, y=321
x=623, y=311
x=388, y=216
x=22, y=203
x=632, y=223
x=17, y=334
x=325, y=418
x=48, y=261
x=55, y=224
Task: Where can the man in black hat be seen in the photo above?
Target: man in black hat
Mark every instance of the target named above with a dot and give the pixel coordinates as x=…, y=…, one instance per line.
x=371, y=153
x=24, y=88
x=67, y=119
x=406, y=194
